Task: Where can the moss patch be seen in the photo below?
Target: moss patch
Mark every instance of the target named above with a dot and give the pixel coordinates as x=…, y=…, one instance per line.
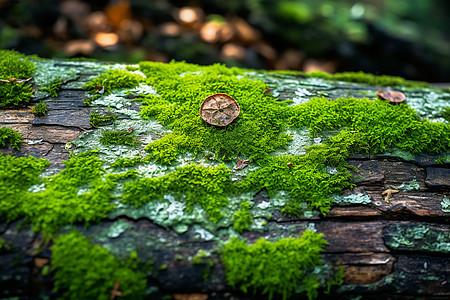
x=254, y=134
x=98, y=120
x=17, y=175
x=86, y=271
x=14, y=65
x=284, y=267
x=242, y=219
x=10, y=136
x=40, y=109
x=192, y=184
x=118, y=137
x=53, y=88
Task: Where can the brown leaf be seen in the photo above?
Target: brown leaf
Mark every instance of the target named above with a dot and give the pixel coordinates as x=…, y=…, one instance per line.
x=391, y=96
x=219, y=109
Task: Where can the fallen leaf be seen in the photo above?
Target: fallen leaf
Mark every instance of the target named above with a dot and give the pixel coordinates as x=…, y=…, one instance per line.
x=241, y=164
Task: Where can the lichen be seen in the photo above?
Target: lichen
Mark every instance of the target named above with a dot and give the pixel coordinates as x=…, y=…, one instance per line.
x=445, y=204
x=87, y=271
x=10, y=136
x=353, y=199
x=267, y=267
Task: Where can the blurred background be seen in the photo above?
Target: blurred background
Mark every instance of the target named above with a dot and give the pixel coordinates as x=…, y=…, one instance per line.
x=408, y=38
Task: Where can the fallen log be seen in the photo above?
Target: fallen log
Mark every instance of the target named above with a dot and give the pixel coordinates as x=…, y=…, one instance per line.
x=397, y=248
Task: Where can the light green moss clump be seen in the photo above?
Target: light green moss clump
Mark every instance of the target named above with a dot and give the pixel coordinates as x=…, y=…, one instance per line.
x=86, y=271
x=192, y=184
x=98, y=120
x=282, y=268
x=111, y=80
x=14, y=65
x=242, y=219
x=17, y=175
x=40, y=109
x=53, y=88
x=10, y=136
x=118, y=137
x=183, y=87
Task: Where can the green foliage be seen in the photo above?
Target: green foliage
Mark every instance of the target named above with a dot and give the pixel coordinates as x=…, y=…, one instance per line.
x=254, y=134
x=192, y=184
x=377, y=124
x=128, y=161
x=242, y=219
x=118, y=137
x=17, y=175
x=98, y=120
x=10, y=136
x=280, y=268
x=446, y=113
x=13, y=93
x=40, y=109
x=14, y=65
x=113, y=79
x=53, y=88
x=76, y=194
x=87, y=271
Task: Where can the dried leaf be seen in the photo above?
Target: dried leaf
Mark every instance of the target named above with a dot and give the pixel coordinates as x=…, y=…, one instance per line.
x=219, y=109
x=241, y=164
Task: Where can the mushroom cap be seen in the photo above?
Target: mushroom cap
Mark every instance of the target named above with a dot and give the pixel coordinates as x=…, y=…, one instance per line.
x=219, y=109
x=391, y=96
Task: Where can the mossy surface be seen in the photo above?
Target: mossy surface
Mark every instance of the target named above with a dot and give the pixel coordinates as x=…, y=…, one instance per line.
x=52, y=88
x=242, y=219
x=17, y=175
x=98, y=120
x=40, y=109
x=10, y=136
x=267, y=267
x=118, y=137
x=86, y=271
x=14, y=65
x=191, y=184
x=255, y=133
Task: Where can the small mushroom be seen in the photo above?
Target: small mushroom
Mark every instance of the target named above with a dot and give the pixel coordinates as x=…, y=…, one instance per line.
x=219, y=109
x=392, y=96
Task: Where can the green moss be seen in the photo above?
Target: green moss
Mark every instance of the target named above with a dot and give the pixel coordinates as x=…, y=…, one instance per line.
x=446, y=113
x=128, y=161
x=53, y=87
x=113, y=79
x=378, y=124
x=242, y=219
x=40, y=109
x=254, y=134
x=79, y=193
x=191, y=184
x=86, y=271
x=10, y=136
x=118, y=137
x=14, y=65
x=361, y=77
x=17, y=175
x=282, y=268
x=98, y=120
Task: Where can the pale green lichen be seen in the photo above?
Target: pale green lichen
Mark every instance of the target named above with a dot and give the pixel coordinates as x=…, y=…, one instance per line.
x=353, y=199
x=445, y=204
